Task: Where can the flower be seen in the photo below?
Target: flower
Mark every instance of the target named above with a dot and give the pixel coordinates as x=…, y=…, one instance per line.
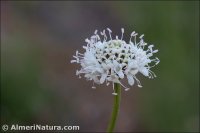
x=111, y=60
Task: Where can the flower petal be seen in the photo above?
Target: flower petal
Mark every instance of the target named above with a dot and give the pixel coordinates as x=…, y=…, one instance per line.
x=134, y=71
x=130, y=79
x=144, y=71
x=121, y=74
x=103, y=78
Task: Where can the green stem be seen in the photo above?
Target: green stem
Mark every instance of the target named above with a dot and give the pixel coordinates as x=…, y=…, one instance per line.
x=116, y=105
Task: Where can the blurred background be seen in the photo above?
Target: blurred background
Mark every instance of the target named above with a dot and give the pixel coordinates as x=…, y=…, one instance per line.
x=39, y=85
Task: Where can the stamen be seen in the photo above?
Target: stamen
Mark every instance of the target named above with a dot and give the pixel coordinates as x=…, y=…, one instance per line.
x=138, y=81
x=98, y=38
x=104, y=34
x=126, y=88
x=132, y=34
x=73, y=61
x=157, y=61
x=87, y=40
x=85, y=47
x=135, y=37
x=153, y=74
x=141, y=36
x=108, y=83
x=150, y=46
x=95, y=32
x=155, y=51
x=122, y=33
x=93, y=87
x=117, y=37
x=80, y=54
x=76, y=52
x=150, y=75
x=109, y=30
x=109, y=33
x=114, y=93
x=75, y=57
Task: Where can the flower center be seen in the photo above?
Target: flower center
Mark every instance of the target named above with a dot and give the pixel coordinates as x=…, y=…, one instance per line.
x=114, y=50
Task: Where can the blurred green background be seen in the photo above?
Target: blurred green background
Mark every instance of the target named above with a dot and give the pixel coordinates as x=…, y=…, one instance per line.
x=38, y=83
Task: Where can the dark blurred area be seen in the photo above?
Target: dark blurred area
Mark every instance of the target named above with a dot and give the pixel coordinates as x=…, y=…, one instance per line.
x=39, y=85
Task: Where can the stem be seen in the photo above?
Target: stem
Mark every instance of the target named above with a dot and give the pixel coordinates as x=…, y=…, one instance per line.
x=116, y=105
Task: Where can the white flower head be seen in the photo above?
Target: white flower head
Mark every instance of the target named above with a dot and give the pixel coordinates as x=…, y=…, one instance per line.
x=111, y=60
